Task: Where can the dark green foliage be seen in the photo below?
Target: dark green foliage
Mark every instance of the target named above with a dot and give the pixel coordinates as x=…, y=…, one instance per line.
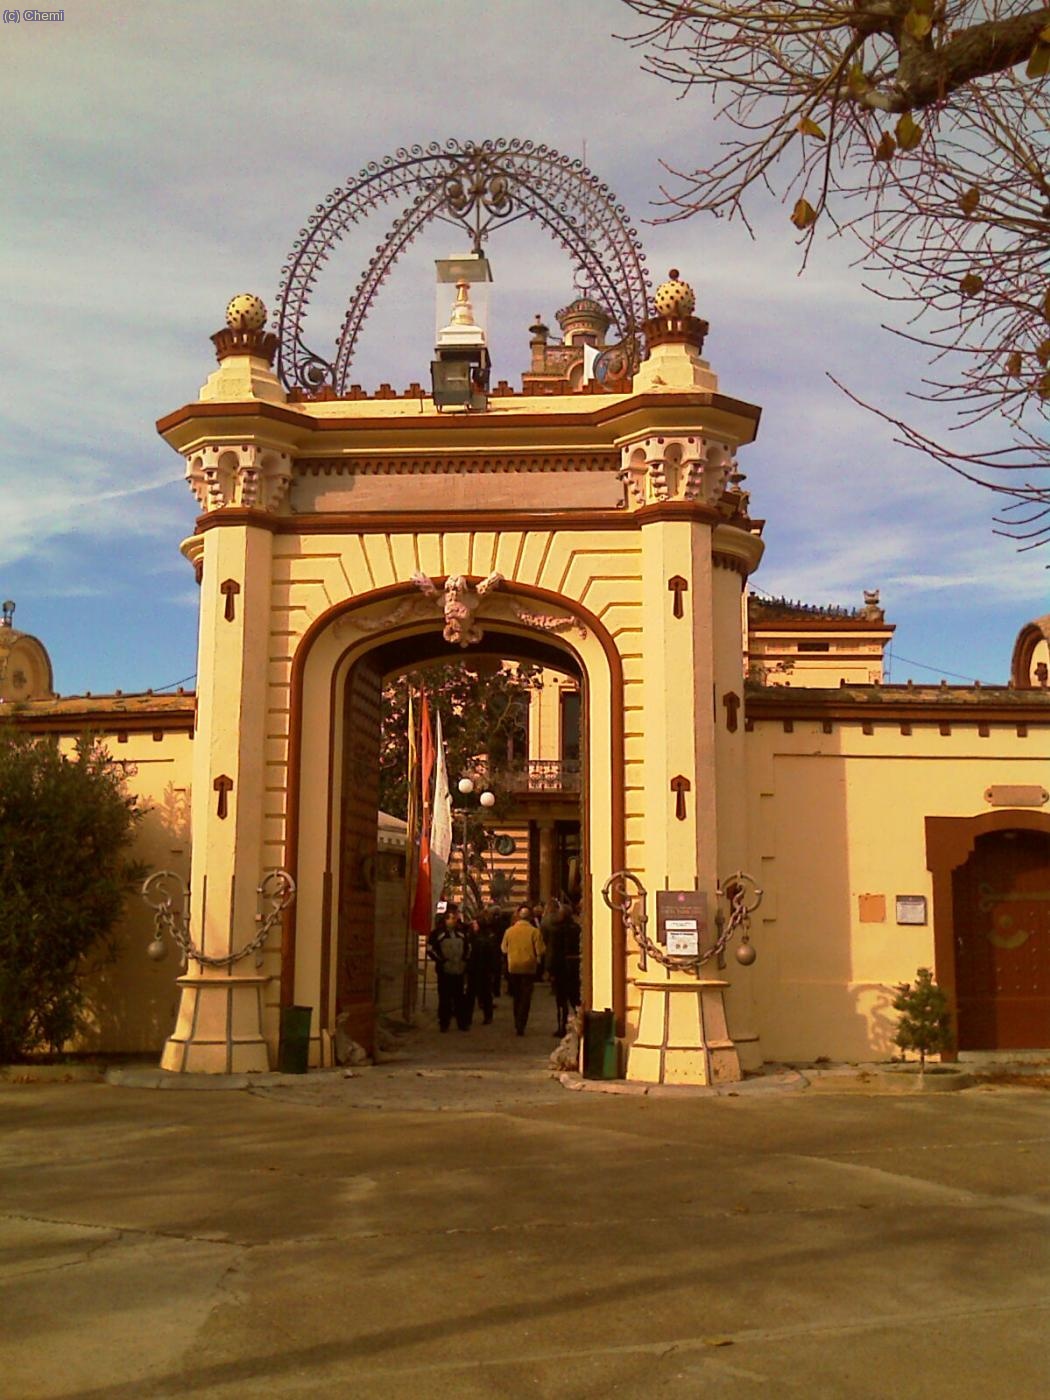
x=65, y=825
x=484, y=715
x=925, y=1023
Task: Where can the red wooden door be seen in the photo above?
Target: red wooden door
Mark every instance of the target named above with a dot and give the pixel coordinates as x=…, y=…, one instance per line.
x=1001, y=900
x=356, y=960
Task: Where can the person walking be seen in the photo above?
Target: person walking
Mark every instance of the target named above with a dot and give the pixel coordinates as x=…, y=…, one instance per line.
x=523, y=946
x=563, y=961
x=449, y=948
x=484, y=965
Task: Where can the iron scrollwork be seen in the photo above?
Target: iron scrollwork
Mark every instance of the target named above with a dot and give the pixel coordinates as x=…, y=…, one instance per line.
x=478, y=186
x=169, y=898
x=625, y=894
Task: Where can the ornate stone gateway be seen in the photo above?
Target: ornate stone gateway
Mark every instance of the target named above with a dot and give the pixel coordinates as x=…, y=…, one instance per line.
x=343, y=537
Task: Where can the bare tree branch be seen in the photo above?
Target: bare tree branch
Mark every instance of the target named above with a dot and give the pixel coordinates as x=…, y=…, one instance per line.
x=912, y=125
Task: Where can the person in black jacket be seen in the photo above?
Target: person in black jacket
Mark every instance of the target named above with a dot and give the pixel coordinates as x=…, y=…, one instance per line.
x=449, y=948
x=484, y=970
x=563, y=960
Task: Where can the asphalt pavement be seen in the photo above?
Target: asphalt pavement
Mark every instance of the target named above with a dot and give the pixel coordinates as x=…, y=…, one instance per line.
x=454, y=1222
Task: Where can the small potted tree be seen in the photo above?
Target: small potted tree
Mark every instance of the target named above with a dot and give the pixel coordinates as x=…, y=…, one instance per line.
x=925, y=1021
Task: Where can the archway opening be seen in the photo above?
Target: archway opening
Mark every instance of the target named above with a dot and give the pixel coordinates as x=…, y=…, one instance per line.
x=531, y=848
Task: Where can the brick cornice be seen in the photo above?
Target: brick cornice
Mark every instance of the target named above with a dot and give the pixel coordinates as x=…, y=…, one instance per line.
x=609, y=422
x=446, y=463
x=779, y=703
x=821, y=624
x=93, y=719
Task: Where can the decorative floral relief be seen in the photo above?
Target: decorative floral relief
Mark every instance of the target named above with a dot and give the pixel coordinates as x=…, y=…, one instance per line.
x=459, y=602
x=548, y=622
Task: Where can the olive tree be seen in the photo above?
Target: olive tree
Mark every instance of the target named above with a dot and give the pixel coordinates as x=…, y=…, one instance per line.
x=66, y=825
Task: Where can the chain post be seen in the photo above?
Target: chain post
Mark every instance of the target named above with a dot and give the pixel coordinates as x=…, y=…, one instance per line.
x=161, y=890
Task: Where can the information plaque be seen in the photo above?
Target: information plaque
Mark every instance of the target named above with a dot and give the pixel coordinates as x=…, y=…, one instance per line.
x=911, y=908
x=681, y=921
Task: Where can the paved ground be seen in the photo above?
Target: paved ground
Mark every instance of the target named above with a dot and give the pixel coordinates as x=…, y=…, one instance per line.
x=457, y=1224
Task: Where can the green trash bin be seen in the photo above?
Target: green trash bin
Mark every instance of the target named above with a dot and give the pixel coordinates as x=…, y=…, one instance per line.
x=599, y=1045
x=293, y=1051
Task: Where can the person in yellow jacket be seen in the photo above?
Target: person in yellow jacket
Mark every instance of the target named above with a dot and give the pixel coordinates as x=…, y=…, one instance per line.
x=523, y=948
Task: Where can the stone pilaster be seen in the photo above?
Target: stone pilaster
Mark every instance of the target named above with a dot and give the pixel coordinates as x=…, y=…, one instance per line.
x=693, y=779
x=219, y=1026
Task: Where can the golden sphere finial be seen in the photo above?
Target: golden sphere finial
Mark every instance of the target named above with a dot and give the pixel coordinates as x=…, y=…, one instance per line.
x=674, y=297
x=246, y=312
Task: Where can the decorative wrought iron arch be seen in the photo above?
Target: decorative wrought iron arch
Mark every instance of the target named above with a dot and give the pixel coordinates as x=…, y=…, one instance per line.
x=477, y=186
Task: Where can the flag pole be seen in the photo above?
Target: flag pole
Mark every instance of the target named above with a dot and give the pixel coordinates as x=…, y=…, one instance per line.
x=422, y=908
x=411, y=961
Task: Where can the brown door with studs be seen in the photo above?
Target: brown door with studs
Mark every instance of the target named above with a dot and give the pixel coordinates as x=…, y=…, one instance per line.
x=356, y=961
x=1001, y=901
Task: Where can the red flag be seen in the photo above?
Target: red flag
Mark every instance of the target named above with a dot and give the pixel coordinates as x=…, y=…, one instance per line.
x=421, y=905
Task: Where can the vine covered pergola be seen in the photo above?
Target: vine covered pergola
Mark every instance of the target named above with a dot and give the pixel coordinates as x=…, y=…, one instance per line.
x=476, y=187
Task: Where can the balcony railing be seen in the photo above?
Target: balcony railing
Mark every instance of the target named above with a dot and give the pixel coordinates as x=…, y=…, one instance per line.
x=543, y=775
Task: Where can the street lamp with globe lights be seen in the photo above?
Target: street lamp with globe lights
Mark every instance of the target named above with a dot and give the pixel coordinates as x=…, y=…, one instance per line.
x=486, y=799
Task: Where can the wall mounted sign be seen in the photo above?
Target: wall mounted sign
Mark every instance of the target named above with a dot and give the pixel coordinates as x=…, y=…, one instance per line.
x=1016, y=795
x=911, y=908
x=681, y=921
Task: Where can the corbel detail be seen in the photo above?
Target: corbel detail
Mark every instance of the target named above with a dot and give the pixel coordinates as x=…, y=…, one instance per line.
x=684, y=467
x=243, y=474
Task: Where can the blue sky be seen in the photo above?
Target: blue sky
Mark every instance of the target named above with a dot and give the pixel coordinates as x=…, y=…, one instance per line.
x=156, y=158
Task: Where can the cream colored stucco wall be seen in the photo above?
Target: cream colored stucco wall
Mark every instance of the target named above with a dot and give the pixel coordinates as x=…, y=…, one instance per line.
x=835, y=816
x=854, y=659
x=132, y=1002
x=545, y=715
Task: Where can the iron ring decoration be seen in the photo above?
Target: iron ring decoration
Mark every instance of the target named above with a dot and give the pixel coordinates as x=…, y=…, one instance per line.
x=740, y=889
x=277, y=889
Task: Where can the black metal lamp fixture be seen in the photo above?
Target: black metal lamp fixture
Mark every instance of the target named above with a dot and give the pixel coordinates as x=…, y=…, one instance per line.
x=459, y=373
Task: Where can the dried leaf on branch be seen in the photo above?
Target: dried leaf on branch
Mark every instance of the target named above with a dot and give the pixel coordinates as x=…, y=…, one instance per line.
x=932, y=150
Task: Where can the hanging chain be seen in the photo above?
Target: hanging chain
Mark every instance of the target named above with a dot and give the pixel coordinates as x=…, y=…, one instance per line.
x=625, y=893
x=168, y=897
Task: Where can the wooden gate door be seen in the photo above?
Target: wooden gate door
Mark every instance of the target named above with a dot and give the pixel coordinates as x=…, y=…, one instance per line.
x=1001, y=904
x=356, y=959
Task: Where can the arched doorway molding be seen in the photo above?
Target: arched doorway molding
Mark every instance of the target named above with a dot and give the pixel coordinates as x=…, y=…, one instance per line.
x=950, y=842
x=329, y=650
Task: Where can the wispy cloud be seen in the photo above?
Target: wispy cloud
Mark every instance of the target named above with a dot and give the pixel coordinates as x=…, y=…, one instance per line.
x=159, y=158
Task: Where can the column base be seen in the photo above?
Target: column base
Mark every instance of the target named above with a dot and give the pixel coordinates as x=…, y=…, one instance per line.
x=683, y=1036
x=219, y=1027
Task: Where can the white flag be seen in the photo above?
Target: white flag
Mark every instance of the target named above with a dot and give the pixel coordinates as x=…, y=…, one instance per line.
x=591, y=355
x=441, y=826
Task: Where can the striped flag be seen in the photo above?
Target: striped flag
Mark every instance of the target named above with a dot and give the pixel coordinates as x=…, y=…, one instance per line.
x=408, y=995
x=422, y=906
x=441, y=824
